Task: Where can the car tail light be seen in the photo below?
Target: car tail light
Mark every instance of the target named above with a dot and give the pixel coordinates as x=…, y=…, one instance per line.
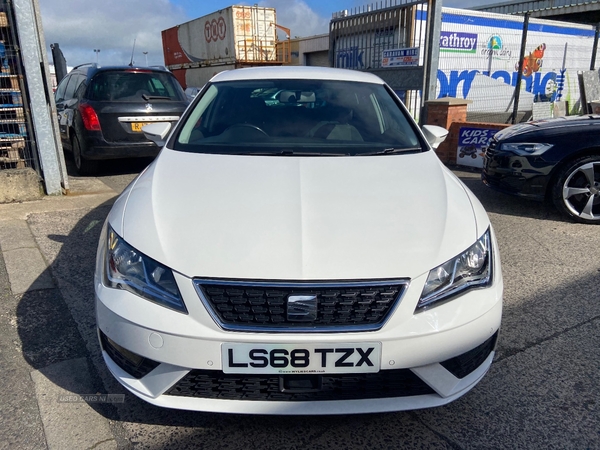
x=89, y=117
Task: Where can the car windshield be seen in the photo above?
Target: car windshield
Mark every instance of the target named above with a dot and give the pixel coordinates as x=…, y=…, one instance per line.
x=297, y=117
x=134, y=86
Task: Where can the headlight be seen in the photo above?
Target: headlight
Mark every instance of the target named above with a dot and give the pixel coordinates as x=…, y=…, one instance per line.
x=525, y=148
x=470, y=269
x=128, y=269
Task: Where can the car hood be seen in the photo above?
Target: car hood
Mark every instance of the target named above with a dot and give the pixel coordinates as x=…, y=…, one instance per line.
x=550, y=127
x=297, y=218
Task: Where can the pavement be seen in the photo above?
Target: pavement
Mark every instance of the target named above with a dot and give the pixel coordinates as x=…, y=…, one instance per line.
x=541, y=392
x=45, y=361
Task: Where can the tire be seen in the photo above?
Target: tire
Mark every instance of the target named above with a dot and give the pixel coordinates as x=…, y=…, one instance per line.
x=576, y=192
x=83, y=166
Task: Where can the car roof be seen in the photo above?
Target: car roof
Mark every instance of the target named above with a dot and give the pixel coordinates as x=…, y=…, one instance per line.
x=296, y=72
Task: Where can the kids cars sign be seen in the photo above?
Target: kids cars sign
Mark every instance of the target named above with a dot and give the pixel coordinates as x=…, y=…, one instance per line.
x=472, y=143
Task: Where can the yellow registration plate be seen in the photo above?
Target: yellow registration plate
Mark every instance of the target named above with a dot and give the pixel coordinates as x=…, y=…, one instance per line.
x=137, y=126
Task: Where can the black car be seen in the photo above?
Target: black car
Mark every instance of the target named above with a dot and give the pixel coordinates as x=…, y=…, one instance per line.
x=101, y=111
x=555, y=159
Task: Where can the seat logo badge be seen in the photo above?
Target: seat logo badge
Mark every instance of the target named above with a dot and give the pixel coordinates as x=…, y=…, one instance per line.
x=148, y=107
x=302, y=308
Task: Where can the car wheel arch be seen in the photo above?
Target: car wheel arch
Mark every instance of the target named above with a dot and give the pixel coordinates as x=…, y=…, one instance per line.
x=572, y=191
x=560, y=166
x=84, y=166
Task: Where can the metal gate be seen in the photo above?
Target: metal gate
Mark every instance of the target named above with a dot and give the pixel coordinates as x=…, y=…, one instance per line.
x=28, y=125
x=384, y=38
x=17, y=148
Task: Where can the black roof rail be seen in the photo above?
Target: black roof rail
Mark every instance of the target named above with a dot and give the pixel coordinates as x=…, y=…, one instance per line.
x=92, y=64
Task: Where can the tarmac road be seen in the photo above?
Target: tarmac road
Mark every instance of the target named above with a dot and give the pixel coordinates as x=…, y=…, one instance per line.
x=541, y=392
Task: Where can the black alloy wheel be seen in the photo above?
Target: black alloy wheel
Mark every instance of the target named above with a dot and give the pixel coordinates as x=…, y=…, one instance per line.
x=576, y=192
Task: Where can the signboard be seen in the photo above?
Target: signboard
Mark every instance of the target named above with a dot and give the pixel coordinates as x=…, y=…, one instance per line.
x=453, y=41
x=400, y=57
x=472, y=143
x=479, y=59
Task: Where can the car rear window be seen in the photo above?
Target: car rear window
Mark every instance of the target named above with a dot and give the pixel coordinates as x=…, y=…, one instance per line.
x=132, y=86
x=297, y=117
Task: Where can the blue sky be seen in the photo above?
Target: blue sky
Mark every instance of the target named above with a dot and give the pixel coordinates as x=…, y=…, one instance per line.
x=323, y=8
x=80, y=26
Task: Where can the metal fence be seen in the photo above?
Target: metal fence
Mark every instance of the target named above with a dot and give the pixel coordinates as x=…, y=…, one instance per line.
x=16, y=143
x=360, y=37
x=480, y=58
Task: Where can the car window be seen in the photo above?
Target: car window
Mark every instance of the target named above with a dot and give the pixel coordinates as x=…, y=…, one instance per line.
x=74, y=83
x=71, y=84
x=81, y=86
x=297, y=116
x=60, y=90
x=134, y=85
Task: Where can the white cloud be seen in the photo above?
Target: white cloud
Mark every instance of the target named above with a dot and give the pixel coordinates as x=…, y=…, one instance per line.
x=79, y=26
x=298, y=17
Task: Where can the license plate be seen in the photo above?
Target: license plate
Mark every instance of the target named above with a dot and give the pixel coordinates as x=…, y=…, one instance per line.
x=137, y=126
x=301, y=358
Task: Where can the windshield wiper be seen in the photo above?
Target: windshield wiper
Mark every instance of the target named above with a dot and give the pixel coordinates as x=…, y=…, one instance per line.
x=288, y=152
x=392, y=150
x=155, y=97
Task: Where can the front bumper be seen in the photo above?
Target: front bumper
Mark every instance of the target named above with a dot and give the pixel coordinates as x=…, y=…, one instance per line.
x=423, y=356
x=524, y=176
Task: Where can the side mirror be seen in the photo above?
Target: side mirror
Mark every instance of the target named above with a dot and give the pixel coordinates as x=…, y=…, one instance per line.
x=157, y=132
x=435, y=135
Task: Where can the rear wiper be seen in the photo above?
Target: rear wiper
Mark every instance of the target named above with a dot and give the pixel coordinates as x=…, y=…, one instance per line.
x=155, y=97
x=392, y=150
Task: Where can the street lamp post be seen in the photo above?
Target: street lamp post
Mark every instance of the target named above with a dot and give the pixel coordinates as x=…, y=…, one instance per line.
x=146, y=55
x=96, y=51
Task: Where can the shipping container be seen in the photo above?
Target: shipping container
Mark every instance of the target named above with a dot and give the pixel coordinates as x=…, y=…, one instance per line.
x=237, y=36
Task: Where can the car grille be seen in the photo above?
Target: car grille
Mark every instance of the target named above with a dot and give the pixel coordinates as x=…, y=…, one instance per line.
x=464, y=364
x=249, y=306
x=217, y=385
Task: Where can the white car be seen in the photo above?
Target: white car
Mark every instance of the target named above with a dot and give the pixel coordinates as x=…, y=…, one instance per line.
x=297, y=248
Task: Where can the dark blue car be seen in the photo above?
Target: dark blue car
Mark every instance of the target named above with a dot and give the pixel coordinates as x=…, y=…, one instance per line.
x=555, y=159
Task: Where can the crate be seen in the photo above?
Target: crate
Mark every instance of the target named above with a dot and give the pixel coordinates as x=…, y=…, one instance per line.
x=12, y=127
x=12, y=114
x=9, y=98
x=10, y=137
x=8, y=81
x=11, y=154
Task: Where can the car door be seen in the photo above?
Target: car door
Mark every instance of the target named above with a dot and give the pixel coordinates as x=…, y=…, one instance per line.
x=66, y=102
